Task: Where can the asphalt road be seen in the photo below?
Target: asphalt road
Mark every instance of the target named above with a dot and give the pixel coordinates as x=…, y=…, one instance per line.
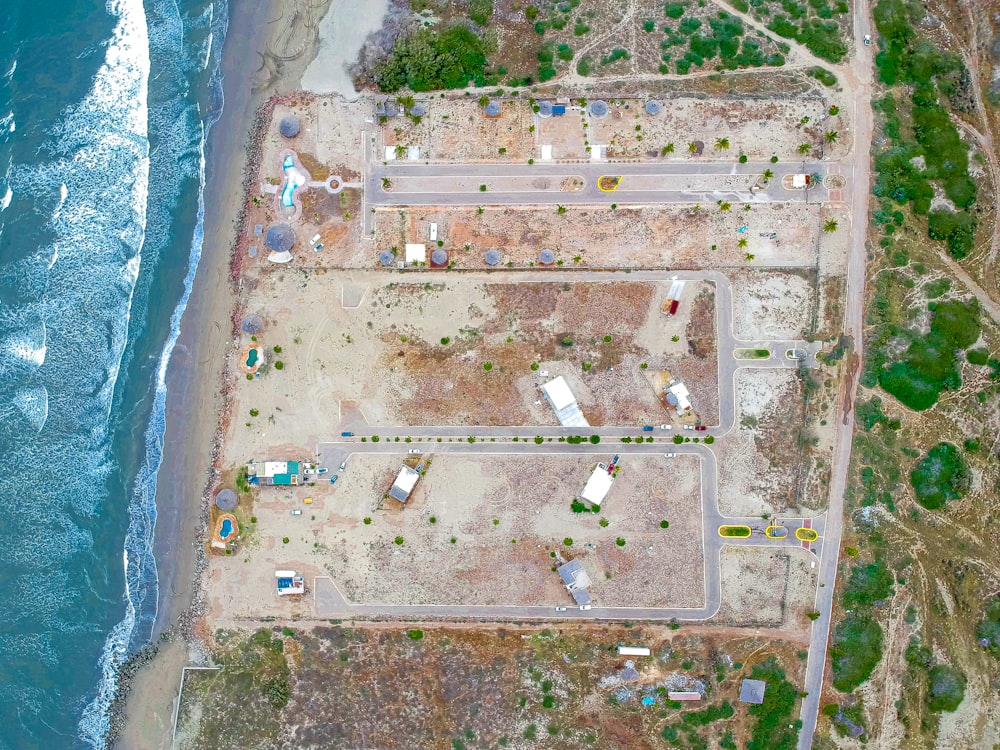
x=859, y=82
x=694, y=181
x=331, y=603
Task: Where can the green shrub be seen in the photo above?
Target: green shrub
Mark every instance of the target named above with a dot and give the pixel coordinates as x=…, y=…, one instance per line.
x=615, y=55
x=565, y=52
x=977, y=356
x=481, y=11
x=855, y=651
x=428, y=59
x=868, y=584
x=584, y=65
x=945, y=688
x=989, y=626
x=940, y=476
x=824, y=76
x=415, y=635
x=674, y=10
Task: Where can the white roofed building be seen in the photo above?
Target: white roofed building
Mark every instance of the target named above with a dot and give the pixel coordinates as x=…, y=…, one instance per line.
x=564, y=402
x=416, y=252
x=598, y=485
x=406, y=480
x=681, y=397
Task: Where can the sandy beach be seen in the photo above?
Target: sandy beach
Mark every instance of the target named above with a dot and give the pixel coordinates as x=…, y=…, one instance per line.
x=269, y=47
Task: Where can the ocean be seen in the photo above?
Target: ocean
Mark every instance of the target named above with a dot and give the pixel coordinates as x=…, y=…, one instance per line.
x=104, y=113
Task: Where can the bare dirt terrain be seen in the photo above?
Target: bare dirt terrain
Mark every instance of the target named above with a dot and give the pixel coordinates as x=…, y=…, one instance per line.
x=769, y=587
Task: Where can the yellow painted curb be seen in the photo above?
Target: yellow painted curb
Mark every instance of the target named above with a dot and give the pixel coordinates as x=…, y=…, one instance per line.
x=618, y=181
x=806, y=535
x=769, y=532
x=739, y=529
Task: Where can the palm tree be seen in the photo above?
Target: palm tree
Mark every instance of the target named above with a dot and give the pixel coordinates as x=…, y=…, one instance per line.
x=692, y=147
x=830, y=225
x=725, y=205
x=749, y=256
x=722, y=144
x=668, y=149
x=768, y=175
x=805, y=148
x=742, y=243
x=830, y=136
x=560, y=210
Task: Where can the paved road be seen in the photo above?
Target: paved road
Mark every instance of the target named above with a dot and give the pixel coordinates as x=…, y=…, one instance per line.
x=858, y=79
x=330, y=603
x=694, y=181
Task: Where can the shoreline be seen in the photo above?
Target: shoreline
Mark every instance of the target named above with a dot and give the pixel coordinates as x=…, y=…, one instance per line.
x=195, y=398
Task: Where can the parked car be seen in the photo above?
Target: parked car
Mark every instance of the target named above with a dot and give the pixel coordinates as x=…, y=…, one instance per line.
x=584, y=606
x=666, y=427
x=322, y=470
x=647, y=428
x=868, y=40
x=347, y=434
x=309, y=472
x=342, y=466
x=689, y=427
x=560, y=609
x=670, y=455
x=413, y=450
x=333, y=479
x=296, y=511
x=701, y=427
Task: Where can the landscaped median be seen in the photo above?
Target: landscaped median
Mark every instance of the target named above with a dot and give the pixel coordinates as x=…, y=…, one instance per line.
x=752, y=353
x=734, y=532
x=608, y=184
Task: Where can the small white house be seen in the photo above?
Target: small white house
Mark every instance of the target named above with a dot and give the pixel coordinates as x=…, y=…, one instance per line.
x=598, y=485
x=558, y=394
x=434, y=232
x=416, y=252
x=681, y=396
x=633, y=651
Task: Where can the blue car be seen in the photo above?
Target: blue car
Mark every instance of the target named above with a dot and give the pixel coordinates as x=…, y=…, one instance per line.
x=333, y=479
x=647, y=428
x=347, y=434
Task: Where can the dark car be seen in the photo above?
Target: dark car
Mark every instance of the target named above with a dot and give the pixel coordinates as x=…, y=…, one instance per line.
x=647, y=428
x=347, y=434
x=700, y=427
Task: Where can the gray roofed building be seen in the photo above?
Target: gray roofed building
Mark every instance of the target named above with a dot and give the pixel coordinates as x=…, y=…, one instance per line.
x=252, y=324
x=386, y=257
x=493, y=108
x=598, y=109
x=439, y=258
x=546, y=257
x=493, y=257
x=545, y=109
x=752, y=691
x=226, y=499
x=581, y=596
x=576, y=580
x=280, y=238
x=652, y=107
x=289, y=127
x=418, y=110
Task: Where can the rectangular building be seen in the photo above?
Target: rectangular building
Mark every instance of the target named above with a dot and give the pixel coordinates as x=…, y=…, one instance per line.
x=406, y=480
x=598, y=485
x=633, y=651
x=563, y=401
x=280, y=473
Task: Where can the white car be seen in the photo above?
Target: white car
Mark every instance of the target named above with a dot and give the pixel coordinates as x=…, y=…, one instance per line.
x=868, y=40
x=560, y=609
x=584, y=606
x=413, y=450
x=296, y=512
x=666, y=427
x=689, y=427
x=342, y=467
x=309, y=472
x=670, y=455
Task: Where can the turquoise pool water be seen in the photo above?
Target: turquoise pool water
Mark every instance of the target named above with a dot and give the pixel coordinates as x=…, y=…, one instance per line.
x=251, y=357
x=291, y=181
x=227, y=529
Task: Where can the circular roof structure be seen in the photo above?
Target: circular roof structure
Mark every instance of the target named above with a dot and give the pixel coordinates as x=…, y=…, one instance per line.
x=439, y=257
x=280, y=238
x=226, y=500
x=545, y=109
x=418, y=110
x=493, y=257
x=652, y=107
x=252, y=324
x=546, y=257
x=598, y=109
x=289, y=126
x=386, y=257
x=493, y=109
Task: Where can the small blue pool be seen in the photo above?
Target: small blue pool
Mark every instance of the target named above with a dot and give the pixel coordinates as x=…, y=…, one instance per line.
x=227, y=529
x=648, y=700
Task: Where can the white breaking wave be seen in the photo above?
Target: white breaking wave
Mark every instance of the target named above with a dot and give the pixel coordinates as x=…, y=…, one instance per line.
x=34, y=405
x=8, y=194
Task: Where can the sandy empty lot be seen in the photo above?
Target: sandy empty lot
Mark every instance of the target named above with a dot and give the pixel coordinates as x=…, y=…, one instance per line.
x=766, y=586
x=771, y=305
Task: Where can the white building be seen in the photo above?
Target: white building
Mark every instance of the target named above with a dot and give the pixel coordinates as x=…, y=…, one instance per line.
x=564, y=402
x=680, y=396
x=406, y=480
x=598, y=485
x=633, y=651
x=289, y=583
x=416, y=252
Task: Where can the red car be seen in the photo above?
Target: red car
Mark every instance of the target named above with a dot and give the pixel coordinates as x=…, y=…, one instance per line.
x=700, y=427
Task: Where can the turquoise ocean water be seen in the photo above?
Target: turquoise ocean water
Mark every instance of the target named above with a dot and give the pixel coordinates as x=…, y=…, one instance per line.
x=104, y=112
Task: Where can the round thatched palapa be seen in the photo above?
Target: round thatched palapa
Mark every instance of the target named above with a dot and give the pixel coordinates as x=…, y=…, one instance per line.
x=598, y=109
x=289, y=127
x=545, y=109
x=493, y=257
x=546, y=257
x=493, y=109
x=652, y=107
x=226, y=500
x=252, y=324
x=439, y=258
x=386, y=257
x=280, y=238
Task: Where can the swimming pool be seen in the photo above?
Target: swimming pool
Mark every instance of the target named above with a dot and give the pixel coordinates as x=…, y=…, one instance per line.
x=226, y=529
x=293, y=180
x=252, y=357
